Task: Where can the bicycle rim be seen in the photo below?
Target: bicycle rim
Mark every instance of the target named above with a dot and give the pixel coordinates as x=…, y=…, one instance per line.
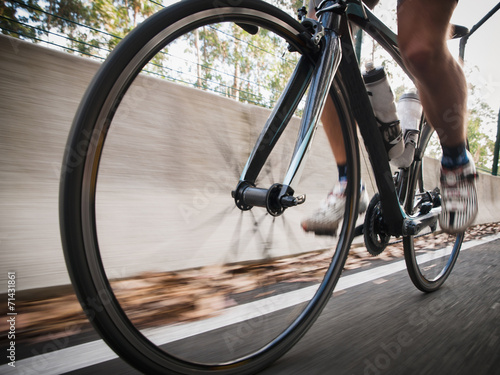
x=184, y=281
x=429, y=257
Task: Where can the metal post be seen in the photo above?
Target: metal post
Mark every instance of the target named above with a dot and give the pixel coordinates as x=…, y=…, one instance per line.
x=494, y=169
x=464, y=39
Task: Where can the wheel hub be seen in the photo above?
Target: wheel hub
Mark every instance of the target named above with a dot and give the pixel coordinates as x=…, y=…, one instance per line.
x=275, y=199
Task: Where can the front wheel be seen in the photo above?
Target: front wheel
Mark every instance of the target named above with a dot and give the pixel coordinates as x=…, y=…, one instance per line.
x=172, y=275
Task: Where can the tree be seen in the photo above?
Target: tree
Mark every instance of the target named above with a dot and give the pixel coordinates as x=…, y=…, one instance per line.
x=17, y=24
x=90, y=27
x=116, y=18
x=227, y=59
x=480, y=144
x=64, y=15
x=139, y=8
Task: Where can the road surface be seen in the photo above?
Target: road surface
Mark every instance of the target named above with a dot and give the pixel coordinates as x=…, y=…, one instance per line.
x=381, y=326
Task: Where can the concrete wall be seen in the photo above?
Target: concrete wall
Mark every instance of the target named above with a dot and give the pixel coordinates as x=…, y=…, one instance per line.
x=140, y=210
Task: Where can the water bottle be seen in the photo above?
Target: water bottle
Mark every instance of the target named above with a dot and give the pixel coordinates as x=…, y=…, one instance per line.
x=410, y=113
x=382, y=100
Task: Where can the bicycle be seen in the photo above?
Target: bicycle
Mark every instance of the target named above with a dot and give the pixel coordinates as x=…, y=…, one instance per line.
x=264, y=315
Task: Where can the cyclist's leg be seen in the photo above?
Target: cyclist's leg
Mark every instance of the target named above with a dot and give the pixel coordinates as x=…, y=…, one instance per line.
x=333, y=131
x=423, y=29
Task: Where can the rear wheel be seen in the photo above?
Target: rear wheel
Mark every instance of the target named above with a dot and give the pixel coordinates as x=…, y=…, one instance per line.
x=173, y=276
x=430, y=256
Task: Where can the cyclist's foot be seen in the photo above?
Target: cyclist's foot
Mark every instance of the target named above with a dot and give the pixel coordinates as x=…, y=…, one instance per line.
x=326, y=219
x=458, y=190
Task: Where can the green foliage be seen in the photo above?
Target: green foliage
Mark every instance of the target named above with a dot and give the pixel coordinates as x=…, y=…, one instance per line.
x=64, y=15
x=116, y=18
x=222, y=58
x=480, y=144
x=231, y=62
x=107, y=20
x=16, y=24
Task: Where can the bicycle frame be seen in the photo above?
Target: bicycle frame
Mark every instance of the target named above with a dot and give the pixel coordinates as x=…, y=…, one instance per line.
x=337, y=53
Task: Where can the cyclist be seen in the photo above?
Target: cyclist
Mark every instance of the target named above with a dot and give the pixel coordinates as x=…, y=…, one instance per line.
x=423, y=29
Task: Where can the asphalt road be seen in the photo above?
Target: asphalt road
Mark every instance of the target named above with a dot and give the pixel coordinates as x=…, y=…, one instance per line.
x=386, y=326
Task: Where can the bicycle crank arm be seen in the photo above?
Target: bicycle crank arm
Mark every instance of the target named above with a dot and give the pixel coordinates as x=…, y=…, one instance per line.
x=275, y=199
x=414, y=225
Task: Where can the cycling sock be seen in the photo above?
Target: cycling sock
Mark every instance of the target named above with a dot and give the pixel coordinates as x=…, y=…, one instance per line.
x=342, y=173
x=454, y=157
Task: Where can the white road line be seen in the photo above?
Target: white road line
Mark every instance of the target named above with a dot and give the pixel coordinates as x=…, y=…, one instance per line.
x=70, y=359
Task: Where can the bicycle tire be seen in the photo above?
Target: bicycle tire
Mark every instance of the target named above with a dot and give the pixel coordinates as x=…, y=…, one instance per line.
x=84, y=243
x=430, y=261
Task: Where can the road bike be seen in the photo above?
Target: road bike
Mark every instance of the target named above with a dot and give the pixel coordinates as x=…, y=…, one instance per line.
x=180, y=223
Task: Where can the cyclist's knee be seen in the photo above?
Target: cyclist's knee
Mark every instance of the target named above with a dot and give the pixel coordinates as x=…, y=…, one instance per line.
x=422, y=57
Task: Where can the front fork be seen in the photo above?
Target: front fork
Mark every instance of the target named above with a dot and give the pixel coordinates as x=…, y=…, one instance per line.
x=280, y=196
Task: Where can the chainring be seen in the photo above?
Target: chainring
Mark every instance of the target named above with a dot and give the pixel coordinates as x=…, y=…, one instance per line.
x=376, y=240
